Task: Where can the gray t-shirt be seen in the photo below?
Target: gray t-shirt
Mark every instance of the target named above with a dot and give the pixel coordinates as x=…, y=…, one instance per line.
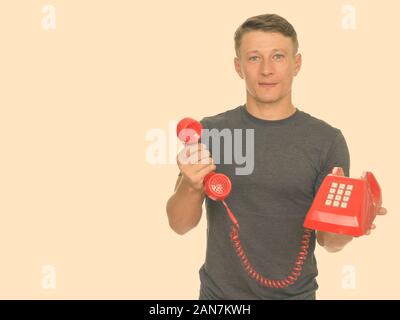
x=291, y=158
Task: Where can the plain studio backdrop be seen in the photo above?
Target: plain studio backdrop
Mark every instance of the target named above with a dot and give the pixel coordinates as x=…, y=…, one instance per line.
x=84, y=84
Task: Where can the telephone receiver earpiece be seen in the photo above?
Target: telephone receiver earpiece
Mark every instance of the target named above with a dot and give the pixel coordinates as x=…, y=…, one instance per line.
x=217, y=186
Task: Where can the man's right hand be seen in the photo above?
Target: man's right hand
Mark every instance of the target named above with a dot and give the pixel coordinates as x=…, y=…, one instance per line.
x=195, y=162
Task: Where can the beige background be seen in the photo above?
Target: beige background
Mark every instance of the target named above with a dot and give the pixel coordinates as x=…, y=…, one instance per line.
x=76, y=103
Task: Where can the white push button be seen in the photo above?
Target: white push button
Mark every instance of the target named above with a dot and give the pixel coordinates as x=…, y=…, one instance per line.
x=336, y=203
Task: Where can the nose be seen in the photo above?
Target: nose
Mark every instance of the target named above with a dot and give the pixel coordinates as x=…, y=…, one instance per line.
x=267, y=67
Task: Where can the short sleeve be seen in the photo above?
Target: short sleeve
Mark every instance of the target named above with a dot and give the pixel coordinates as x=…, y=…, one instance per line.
x=337, y=156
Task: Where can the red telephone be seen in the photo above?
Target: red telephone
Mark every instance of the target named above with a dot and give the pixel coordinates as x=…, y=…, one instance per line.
x=345, y=205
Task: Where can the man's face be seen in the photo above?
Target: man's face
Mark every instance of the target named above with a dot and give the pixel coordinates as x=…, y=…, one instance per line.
x=267, y=64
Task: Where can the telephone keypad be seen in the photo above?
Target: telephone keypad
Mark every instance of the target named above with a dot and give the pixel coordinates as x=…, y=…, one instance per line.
x=339, y=195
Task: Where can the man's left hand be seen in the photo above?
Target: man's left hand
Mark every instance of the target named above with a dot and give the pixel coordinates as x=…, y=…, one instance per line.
x=382, y=211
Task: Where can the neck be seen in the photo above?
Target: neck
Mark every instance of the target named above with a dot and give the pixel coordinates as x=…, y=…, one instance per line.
x=276, y=110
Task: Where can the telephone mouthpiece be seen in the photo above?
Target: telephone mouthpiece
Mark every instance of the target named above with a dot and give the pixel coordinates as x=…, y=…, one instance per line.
x=217, y=186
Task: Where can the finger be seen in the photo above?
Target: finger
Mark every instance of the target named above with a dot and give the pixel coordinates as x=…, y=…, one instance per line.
x=206, y=170
x=206, y=160
x=205, y=157
x=202, y=156
x=184, y=157
x=200, y=166
x=368, y=232
x=373, y=227
x=382, y=211
x=193, y=148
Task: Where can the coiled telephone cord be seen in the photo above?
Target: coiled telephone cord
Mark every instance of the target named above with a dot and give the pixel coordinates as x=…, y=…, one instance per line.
x=270, y=283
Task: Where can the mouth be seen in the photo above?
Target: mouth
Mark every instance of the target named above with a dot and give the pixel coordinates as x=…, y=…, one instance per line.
x=267, y=84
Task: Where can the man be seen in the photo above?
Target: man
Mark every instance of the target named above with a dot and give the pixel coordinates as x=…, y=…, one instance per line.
x=293, y=152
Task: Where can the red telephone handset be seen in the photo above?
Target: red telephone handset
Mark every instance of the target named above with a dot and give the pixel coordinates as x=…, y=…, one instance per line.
x=218, y=186
x=345, y=205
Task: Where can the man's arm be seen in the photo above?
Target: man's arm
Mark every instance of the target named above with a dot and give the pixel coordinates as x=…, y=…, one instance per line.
x=334, y=242
x=184, y=207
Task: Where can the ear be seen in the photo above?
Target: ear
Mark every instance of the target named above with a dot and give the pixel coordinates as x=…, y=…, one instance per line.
x=297, y=64
x=238, y=67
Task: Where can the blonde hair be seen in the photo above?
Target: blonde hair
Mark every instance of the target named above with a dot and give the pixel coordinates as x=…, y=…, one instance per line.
x=267, y=23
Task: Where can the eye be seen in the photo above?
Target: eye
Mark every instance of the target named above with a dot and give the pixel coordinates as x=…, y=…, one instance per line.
x=278, y=56
x=253, y=58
